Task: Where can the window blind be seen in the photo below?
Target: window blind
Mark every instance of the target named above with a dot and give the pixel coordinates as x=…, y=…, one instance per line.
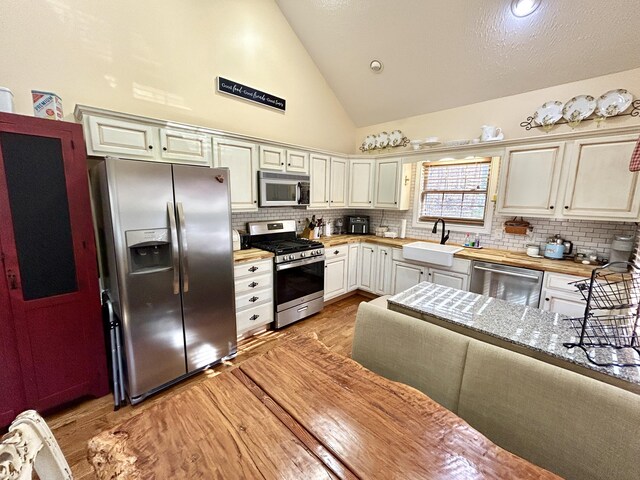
x=456, y=192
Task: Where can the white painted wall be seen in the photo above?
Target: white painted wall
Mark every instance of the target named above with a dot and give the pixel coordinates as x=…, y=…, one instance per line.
x=508, y=112
x=160, y=58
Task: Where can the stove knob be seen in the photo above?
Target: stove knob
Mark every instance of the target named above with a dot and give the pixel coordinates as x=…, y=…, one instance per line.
x=292, y=257
x=303, y=254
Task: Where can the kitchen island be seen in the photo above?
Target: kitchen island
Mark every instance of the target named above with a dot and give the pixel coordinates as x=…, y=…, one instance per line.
x=527, y=330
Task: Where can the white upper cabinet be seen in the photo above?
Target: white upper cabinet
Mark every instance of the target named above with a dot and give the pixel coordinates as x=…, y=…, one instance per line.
x=338, y=186
x=297, y=162
x=242, y=160
x=392, y=184
x=529, y=179
x=599, y=183
x=108, y=136
x=272, y=158
x=361, y=178
x=185, y=147
x=320, y=166
x=282, y=160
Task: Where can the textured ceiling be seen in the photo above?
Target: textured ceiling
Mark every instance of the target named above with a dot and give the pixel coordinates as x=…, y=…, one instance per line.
x=441, y=54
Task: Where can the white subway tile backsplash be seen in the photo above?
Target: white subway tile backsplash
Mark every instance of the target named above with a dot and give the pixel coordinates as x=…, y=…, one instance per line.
x=583, y=233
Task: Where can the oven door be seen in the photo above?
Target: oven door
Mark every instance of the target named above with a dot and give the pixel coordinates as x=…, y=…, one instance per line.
x=298, y=282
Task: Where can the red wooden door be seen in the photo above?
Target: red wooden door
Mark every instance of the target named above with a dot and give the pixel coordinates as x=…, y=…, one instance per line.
x=49, y=255
x=12, y=400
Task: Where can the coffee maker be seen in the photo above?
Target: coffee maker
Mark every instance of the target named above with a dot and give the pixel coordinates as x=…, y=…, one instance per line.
x=358, y=225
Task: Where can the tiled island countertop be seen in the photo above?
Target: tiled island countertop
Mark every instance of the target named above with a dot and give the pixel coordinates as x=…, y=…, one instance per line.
x=527, y=330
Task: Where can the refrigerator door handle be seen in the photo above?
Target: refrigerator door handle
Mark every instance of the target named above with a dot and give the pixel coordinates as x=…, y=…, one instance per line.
x=183, y=245
x=175, y=254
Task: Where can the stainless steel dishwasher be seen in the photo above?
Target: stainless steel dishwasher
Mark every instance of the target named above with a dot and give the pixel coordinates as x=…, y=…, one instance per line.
x=513, y=284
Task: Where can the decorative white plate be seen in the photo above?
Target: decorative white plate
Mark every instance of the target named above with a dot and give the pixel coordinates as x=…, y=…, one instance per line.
x=614, y=102
x=432, y=143
x=416, y=144
x=395, y=138
x=369, y=142
x=382, y=140
x=548, y=114
x=579, y=108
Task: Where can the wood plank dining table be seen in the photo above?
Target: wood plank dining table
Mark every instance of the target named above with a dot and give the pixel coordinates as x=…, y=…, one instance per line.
x=300, y=411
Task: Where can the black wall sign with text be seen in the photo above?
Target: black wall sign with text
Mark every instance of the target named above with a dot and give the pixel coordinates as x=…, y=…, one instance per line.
x=242, y=91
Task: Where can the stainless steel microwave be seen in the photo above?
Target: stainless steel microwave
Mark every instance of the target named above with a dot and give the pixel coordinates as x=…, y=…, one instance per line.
x=283, y=189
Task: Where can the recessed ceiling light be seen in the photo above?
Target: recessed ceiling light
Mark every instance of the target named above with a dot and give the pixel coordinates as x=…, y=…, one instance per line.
x=376, y=66
x=522, y=8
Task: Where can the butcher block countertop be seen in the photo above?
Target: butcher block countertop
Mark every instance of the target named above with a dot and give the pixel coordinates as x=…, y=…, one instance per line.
x=250, y=254
x=492, y=255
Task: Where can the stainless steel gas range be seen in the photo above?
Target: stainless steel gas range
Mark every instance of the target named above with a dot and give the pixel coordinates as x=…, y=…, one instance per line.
x=298, y=269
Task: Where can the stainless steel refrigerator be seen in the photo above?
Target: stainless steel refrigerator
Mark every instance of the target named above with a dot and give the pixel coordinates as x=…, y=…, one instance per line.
x=167, y=267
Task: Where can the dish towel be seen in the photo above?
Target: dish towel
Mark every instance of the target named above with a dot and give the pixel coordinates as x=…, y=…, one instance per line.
x=634, y=166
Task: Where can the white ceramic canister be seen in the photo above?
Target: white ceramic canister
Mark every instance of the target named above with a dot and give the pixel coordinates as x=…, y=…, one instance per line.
x=6, y=100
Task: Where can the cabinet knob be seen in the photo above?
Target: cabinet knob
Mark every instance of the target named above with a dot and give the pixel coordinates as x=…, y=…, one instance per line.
x=255, y=201
x=281, y=163
x=164, y=148
x=566, y=207
x=327, y=201
x=551, y=207
x=546, y=299
x=288, y=164
x=253, y=269
x=254, y=317
x=150, y=147
x=254, y=299
x=369, y=201
x=395, y=203
x=253, y=285
x=336, y=252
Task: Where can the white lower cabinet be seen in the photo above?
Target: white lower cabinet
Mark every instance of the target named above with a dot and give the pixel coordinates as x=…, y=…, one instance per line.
x=367, y=270
x=254, y=294
x=559, y=296
x=354, y=263
x=448, y=279
x=336, y=269
x=406, y=275
x=384, y=263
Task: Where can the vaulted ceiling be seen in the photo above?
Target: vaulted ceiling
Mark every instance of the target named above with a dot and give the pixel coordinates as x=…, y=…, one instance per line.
x=440, y=54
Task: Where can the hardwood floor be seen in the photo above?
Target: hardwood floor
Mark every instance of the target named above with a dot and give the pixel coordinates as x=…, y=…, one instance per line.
x=74, y=426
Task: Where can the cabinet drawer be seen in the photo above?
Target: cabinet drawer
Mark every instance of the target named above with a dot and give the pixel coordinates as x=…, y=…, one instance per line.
x=254, y=317
x=560, y=282
x=249, y=299
x=335, y=252
x=253, y=283
x=252, y=268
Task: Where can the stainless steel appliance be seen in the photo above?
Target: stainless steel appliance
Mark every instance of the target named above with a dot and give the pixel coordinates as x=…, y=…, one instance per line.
x=298, y=269
x=283, y=189
x=358, y=225
x=166, y=240
x=513, y=284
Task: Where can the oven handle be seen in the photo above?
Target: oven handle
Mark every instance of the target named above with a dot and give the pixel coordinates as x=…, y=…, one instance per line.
x=298, y=263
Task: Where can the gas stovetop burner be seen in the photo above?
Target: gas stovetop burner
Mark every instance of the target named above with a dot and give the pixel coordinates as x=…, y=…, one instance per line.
x=280, y=247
